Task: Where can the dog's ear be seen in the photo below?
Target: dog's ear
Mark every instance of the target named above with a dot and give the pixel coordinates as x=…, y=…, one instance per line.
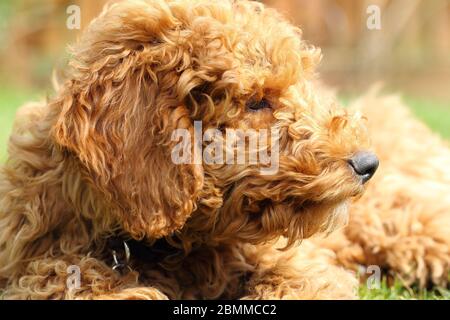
x=117, y=114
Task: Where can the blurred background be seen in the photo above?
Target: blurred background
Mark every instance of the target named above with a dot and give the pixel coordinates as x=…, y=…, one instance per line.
x=410, y=54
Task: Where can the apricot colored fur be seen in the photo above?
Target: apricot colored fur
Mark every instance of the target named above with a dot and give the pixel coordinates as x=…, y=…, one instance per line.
x=94, y=162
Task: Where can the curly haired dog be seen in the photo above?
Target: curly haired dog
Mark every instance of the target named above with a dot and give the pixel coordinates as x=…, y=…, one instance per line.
x=90, y=182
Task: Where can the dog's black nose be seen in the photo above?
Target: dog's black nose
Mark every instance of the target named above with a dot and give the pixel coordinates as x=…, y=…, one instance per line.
x=364, y=164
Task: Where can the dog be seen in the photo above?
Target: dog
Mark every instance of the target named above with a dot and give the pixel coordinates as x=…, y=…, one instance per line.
x=93, y=205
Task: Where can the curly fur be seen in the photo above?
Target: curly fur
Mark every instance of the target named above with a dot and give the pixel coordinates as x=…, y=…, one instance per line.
x=94, y=163
x=402, y=223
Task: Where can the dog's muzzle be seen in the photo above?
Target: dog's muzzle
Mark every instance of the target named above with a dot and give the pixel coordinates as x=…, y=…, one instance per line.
x=364, y=164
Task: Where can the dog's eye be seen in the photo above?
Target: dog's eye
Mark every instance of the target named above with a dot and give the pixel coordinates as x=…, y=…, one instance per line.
x=255, y=105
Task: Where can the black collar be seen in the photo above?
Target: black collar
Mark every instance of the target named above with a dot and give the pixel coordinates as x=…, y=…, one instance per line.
x=126, y=252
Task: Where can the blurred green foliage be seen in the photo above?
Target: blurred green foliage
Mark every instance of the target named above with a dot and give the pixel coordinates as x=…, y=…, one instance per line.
x=6, y=10
x=10, y=100
x=435, y=114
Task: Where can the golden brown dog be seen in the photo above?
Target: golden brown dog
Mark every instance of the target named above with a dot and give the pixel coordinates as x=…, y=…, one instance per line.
x=91, y=185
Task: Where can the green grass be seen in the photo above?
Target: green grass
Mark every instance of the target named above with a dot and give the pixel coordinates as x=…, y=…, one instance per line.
x=435, y=114
x=10, y=101
x=397, y=291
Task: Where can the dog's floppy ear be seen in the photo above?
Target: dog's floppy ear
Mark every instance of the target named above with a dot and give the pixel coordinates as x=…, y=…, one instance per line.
x=117, y=114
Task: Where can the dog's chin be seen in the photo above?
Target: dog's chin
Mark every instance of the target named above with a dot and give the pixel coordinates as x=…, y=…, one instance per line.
x=309, y=219
x=330, y=215
x=340, y=214
x=332, y=210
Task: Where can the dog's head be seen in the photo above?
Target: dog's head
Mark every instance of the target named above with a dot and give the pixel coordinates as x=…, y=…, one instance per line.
x=146, y=74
